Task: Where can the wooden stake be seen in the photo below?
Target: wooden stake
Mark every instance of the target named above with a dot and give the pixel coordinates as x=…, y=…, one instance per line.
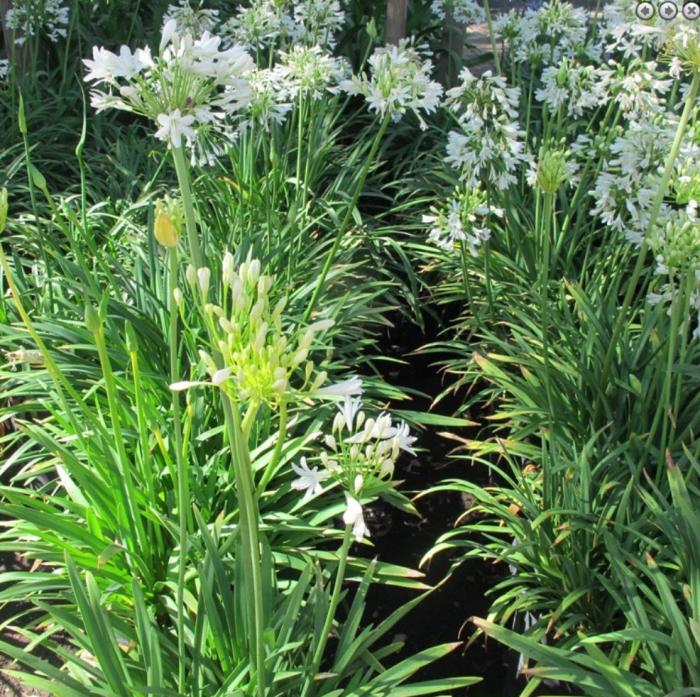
x=396, y=13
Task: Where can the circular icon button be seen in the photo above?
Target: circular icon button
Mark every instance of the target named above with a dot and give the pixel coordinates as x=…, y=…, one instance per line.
x=645, y=10
x=668, y=10
x=691, y=10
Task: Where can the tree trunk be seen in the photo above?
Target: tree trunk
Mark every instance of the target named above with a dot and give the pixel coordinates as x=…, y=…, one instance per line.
x=395, y=29
x=6, y=32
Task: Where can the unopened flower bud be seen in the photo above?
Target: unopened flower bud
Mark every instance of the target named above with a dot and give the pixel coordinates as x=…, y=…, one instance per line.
x=177, y=296
x=191, y=276
x=165, y=230
x=253, y=272
x=227, y=272
x=203, y=276
x=300, y=357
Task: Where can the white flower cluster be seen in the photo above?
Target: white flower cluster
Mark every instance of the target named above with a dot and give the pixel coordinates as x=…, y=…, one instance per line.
x=29, y=18
x=465, y=12
x=310, y=71
x=625, y=188
x=316, y=22
x=257, y=25
x=189, y=89
x=192, y=20
x=575, y=87
x=676, y=247
x=269, y=101
x=638, y=90
x=361, y=457
x=265, y=22
x=465, y=221
x=399, y=81
x=622, y=32
x=544, y=36
x=490, y=144
x=260, y=357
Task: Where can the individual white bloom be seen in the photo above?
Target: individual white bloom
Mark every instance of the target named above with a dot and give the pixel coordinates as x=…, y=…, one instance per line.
x=310, y=71
x=316, y=22
x=194, y=20
x=575, y=87
x=4, y=68
x=29, y=18
x=404, y=439
x=399, y=81
x=309, y=479
x=174, y=126
x=346, y=388
x=349, y=410
x=490, y=145
x=353, y=516
x=465, y=12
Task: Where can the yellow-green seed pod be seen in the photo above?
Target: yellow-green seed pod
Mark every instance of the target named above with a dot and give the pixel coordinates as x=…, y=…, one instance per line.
x=165, y=230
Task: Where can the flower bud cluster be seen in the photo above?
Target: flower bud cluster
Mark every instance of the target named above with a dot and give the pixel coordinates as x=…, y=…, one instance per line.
x=254, y=357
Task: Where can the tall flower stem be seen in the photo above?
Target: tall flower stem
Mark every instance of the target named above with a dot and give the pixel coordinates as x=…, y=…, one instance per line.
x=250, y=539
x=346, y=219
x=332, y=607
x=183, y=178
x=183, y=493
x=547, y=216
x=277, y=452
x=494, y=48
x=653, y=215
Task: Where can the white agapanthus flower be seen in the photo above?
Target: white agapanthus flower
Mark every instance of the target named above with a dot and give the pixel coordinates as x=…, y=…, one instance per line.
x=191, y=89
x=310, y=71
x=317, y=22
x=489, y=147
x=465, y=12
x=310, y=480
x=631, y=174
x=623, y=33
x=4, y=69
x=354, y=516
x=546, y=35
x=639, y=90
x=256, y=25
x=574, y=88
x=398, y=81
x=269, y=101
x=464, y=221
x=676, y=248
x=29, y=18
x=192, y=18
